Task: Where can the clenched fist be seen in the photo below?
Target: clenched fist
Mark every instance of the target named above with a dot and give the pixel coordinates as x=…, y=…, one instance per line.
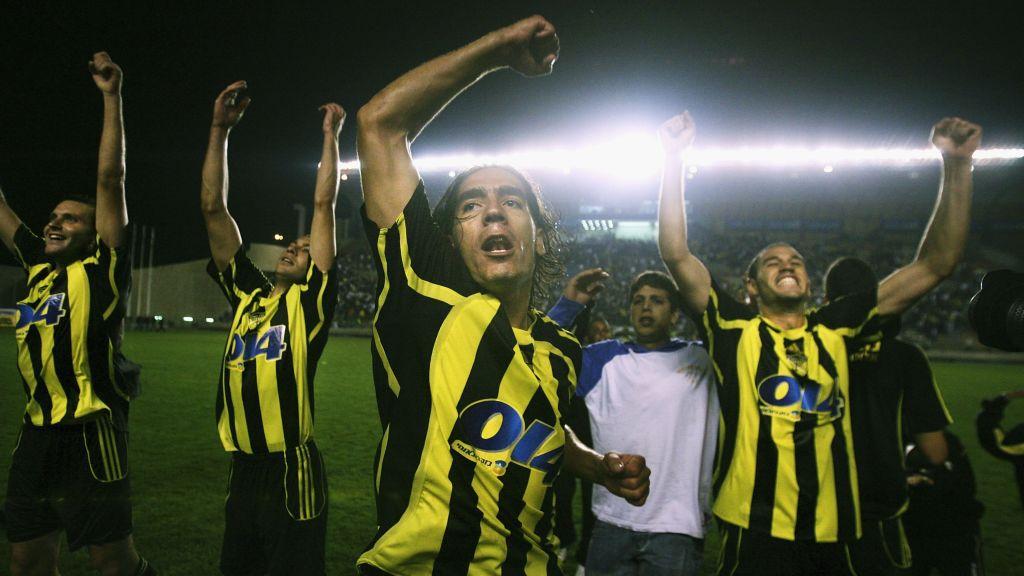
x=105, y=73
x=529, y=46
x=677, y=133
x=230, y=105
x=956, y=137
x=334, y=117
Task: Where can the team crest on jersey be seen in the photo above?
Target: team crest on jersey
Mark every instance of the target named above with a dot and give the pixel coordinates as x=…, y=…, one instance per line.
x=789, y=397
x=270, y=344
x=48, y=313
x=492, y=434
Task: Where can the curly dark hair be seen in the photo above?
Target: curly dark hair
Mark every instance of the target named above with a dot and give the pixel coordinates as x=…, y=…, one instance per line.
x=549, y=268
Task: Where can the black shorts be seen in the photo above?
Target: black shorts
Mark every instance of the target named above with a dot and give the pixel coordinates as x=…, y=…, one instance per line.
x=882, y=550
x=72, y=478
x=276, y=514
x=753, y=553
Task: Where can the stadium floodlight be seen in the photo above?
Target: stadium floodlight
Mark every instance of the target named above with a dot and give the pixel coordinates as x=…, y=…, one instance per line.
x=188, y=318
x=209, y=320
x=638, y=155
x=278, y=237
x=158, y=318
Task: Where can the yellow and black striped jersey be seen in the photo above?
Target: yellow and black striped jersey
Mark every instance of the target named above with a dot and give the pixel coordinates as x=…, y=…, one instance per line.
x=68, y=331
x=265, y=399
x=785, y=459
x=471, y=410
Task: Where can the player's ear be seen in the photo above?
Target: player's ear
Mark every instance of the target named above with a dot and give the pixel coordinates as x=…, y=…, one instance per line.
x=541, y=248
x=751, y=285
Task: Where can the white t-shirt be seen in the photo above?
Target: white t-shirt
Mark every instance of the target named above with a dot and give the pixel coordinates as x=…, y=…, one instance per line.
x=661, y=404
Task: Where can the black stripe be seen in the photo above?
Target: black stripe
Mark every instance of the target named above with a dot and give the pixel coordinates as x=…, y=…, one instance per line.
x=287, y=387
x=513, y=490
x=546, y=330
x=730, y=549
x=251, y=408
x=806, y=475
x=762, y=501
x=844, y=485
x=462, y=530
x=63, y=359
x=35, y=352
x=543, y=531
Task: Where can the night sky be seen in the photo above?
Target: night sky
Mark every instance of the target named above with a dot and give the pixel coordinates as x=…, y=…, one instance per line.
x=813, y=73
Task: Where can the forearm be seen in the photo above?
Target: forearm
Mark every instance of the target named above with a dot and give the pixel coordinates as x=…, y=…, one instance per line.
x=111, y=210
x=323, y=246
x=214, y=194
x=326, y=194
x=943, y=243
x=672, y=233
x=408, y=104
x=581, y=461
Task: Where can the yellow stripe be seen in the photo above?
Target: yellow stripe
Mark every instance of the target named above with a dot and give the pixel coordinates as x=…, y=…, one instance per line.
x=113, y=285
x=380, y=461
x=1011, y=449
x=309, y=482
x=392, y=380
x=424, y=287
x=300, y=483
x=319, y=308
x=104, y=455
x=112, y=435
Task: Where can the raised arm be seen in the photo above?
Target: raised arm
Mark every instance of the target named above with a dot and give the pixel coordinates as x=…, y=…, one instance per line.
x=390, y=121
x=943, y=243
x=220, y=226
x=111, y=210
x=9, y=223
x=322, y=243
x=690, y=274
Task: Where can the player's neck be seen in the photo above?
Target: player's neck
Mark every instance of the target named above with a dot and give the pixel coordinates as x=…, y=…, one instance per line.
x=787, y=317
x=280, y=287
x=654, y=344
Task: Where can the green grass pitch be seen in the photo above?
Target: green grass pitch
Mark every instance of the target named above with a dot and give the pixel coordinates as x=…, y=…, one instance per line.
x=179, y=470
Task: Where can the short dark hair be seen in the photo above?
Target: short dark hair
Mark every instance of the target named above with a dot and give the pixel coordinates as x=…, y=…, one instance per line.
x=549, y=268
x=80, y=198
x=659, y=280
x=848, y=276
x=755, y=264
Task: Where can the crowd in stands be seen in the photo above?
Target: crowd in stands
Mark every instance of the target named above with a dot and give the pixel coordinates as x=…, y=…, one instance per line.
x=941, y=318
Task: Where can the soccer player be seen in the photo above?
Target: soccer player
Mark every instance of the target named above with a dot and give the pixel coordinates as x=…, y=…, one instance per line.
x=892, y=393
x=657, y=395
x=69, y=471
x=1007, y=446
x=276, y=509
x=786, y=481
x=471, y=380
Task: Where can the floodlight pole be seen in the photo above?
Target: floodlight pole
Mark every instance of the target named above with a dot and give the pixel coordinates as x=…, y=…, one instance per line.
x=149, y=278
x=301, y=227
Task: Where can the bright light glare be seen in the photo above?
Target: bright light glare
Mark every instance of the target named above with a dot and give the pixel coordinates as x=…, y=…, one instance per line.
x=637, y=154
x=187, y=318
x=209, y=320
x=278, y=237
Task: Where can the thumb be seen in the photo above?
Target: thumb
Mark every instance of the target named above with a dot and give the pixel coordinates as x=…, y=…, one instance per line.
x=613, y=464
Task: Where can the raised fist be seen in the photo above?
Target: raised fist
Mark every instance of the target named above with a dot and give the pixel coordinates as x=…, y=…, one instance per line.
x=677, y=133
x=230, y=105
x=956, y=137
x=529, y=46
x=105, y=73
x=334, y=117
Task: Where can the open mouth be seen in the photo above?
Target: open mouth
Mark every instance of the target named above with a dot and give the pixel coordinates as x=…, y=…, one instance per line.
x=54, y=237
x=645, y=321
x=498, y=245
x=787, y=281
x=287, y=261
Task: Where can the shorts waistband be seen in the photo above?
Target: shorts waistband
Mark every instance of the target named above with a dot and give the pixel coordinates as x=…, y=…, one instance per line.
x=265, y=456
